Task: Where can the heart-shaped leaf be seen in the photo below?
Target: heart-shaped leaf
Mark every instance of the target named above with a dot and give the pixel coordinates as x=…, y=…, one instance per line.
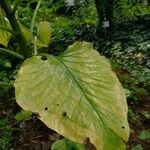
x=76, y=94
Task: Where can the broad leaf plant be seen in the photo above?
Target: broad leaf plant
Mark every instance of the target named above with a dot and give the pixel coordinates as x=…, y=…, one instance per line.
x=76, y=93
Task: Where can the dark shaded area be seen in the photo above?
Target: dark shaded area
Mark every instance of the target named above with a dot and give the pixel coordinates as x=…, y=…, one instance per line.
x=141, y=123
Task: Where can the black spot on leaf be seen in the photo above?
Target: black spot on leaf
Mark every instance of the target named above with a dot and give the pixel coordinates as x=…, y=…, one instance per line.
x=46, y=108
x=44, y=58
x=64, y=114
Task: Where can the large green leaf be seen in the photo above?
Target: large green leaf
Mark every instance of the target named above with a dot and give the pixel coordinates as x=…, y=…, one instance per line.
x=77, y=95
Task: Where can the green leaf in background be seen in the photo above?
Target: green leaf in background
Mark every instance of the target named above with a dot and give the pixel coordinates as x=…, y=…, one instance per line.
x=26, y=33
x=77, y=95
x=4, y=24
x=5, y=63
x=44, y=32
x=5, y=134
x=137, y=147
x=127, y=92
x=144, y=135
x=23, y=115
x=146, y=115
x=66, y=144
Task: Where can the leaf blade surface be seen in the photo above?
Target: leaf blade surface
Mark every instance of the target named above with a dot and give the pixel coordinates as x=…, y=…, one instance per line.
x=77, y=95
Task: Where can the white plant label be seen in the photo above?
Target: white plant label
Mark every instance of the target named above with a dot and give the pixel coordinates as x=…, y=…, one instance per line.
x=105, y=24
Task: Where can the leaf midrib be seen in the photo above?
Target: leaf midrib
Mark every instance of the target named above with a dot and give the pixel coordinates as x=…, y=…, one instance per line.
x=80, y=88
x=76, y=82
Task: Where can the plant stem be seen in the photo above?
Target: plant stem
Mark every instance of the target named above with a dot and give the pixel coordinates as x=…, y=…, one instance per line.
x=24, y=49
x=11, y=53
x=34, y=17
x=35, y=46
